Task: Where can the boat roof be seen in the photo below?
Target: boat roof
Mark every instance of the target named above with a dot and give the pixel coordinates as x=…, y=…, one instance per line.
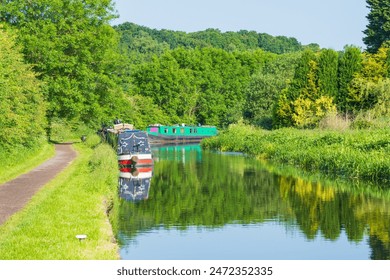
x=180, y=125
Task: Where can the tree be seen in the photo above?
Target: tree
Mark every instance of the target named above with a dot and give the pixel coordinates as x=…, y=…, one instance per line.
x=265, y=87
x=327, y=73
x=364, y=88
x=73, y=48
x=22, y=108
x=304, y=85
x=310, y=95
x=378, y=28
x=350, y=63
x=304, y=81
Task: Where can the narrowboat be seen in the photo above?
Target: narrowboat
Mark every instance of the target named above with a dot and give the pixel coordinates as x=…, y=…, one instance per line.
x=132, y=146
x=179, y=133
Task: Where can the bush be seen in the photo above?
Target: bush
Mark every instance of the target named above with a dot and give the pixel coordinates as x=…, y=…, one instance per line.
x=67, y=131
x=22, y=108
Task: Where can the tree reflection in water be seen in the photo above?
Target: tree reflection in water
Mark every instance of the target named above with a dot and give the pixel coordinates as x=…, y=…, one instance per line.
x=191, y=187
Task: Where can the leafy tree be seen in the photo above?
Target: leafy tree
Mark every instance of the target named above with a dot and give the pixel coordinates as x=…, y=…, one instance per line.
x=305, y=77
x=283, y=110
x=197, y=85
x=143, y=112
x=378, y=28
x=382, y=92
x=363, y=91
x=327, y=73
x=304, y=85
x=309, y=97
x=168, y=86
x=73, y=47
x=265, y=87
x=22, y=108
x=350, y=63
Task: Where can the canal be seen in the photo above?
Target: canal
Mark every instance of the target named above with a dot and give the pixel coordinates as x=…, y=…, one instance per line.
x=204, y=205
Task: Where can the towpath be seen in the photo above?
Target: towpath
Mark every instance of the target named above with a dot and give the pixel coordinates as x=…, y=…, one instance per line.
x=16, y=193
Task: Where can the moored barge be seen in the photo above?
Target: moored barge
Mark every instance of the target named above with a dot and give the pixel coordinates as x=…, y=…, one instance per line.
x=179, y=133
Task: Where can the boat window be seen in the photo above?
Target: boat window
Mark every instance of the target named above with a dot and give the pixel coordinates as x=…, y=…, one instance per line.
x=195, y=130
x=190, y=130
x=182, y=130
x=165, y=130
x=174, y=130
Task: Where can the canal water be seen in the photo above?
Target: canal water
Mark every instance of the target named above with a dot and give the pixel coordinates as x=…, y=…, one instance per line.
x=203, y=205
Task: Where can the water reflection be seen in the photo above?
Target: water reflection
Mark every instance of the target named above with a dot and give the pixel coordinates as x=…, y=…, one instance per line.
x=135, y=184
x=194, y=191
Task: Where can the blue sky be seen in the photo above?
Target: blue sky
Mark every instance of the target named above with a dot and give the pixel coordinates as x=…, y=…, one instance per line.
x=330, y=23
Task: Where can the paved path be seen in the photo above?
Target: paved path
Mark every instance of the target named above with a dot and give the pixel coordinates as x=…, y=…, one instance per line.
x=16, y=193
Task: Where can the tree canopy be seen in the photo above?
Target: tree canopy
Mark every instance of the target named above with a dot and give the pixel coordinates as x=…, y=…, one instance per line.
x=229, y=41
x=22, y=107
x=378, y=28
x=72, y=46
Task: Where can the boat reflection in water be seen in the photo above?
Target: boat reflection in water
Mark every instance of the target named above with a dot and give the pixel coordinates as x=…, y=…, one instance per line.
x=134, y=183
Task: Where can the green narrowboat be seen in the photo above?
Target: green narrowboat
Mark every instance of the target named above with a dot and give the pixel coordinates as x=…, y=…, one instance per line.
x=179, y=133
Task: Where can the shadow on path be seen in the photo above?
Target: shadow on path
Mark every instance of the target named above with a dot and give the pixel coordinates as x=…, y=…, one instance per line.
x=16, y=193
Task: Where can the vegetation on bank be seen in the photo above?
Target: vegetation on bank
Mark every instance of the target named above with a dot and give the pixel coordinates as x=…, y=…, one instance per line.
x=22, y=106
x=21, y=160
x=76, y=202
x=361, y=154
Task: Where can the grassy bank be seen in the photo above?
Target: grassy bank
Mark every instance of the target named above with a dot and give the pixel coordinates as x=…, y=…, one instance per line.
x=74, y=203
x=361, y=154
x=22, y=160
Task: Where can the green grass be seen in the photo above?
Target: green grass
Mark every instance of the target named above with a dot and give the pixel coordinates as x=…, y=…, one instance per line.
x=75, y=202
x=357, y=154
x=62, y=131
x=22, y=160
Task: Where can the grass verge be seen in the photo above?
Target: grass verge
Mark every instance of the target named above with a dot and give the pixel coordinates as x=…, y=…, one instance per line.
x=356, y=154
x=22, y=160
x=75, y=202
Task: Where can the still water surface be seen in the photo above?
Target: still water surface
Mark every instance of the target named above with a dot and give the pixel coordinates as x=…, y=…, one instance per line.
x=206, y=205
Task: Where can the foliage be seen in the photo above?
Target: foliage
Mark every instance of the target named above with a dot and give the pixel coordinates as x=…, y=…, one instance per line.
x=327, y=73
x=144, y=112
x=22, y=107
x=382, y=93
x=308, y=98
x=72, y=47
x=68, y=131
x=352, y=154
x=363, y=91
x=309, y=113
x=349, y=65
x=264, y=88
x=198, y=86
x=378, y=28
x=131, y=34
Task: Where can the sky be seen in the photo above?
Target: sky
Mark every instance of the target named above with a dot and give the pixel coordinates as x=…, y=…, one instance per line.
x=329, y=23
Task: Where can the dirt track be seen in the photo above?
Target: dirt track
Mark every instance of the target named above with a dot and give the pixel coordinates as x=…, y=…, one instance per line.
x=16, y=193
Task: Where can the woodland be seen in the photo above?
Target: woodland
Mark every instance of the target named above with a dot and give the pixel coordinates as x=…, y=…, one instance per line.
x=64, y=66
